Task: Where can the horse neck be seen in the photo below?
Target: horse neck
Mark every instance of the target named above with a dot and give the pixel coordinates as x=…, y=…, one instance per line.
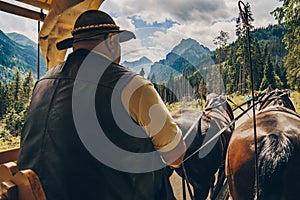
x=275, y=101
x=280, y=109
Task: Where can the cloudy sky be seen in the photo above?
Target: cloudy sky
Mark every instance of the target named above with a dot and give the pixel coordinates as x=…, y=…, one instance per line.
x=161, y=24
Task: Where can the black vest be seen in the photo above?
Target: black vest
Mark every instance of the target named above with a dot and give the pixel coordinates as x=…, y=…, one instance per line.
x=52, y=147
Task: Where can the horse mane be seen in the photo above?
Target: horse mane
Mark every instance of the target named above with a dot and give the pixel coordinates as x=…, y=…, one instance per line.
x=274, y=152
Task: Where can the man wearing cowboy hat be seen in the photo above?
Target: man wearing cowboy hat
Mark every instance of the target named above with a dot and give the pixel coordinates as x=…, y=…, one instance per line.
x=76, y=158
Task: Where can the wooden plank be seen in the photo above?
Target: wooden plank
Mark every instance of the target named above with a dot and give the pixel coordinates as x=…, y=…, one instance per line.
x=9, y=155
x=44, y=4
x=6, y=7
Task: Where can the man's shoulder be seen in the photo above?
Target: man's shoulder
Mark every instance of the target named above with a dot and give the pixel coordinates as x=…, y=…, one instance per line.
x=141, y=80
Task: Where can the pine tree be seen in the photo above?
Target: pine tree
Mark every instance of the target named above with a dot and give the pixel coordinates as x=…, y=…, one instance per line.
x=257, y=63
x=270, y=78
x=171, y=87
x=27, y=86
x=142, y=72
x=153, y=79
x=221, y=41
x=241, y=28
x=242, y=50
x=231, y=67
x=289, y=13
x=4, y=102
x=14, y=122
x=17, y=95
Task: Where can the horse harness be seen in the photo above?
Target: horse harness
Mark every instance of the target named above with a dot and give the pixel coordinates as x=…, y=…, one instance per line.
x=280, y=109
x=213, y=113
x=276, y=99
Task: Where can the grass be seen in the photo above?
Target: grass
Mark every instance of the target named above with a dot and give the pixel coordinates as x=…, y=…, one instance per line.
x=237, y=99
x=197, y=105
x=186, y=105
x=6, y=140
x=1, y=126
x=9, y=143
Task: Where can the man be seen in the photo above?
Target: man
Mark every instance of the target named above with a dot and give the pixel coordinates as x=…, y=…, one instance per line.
x=58, y=136
x=248, y=99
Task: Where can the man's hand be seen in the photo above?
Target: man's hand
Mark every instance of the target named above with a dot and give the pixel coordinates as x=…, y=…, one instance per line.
x=175, y=157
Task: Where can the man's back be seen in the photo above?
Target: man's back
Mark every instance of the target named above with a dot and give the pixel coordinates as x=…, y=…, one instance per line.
x=52, y=147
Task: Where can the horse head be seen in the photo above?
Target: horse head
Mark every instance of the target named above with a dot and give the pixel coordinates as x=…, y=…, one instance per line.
x=203, y=157
x=218, y=105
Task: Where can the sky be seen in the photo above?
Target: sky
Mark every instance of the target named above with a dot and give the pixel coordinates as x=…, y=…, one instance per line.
x=161, y=24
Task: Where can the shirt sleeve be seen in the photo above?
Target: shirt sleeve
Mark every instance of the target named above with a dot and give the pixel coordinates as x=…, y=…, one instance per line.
x=145, y=106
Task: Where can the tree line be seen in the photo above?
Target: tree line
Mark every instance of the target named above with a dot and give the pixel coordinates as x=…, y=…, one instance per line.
x=275, y=59
x=14, y=101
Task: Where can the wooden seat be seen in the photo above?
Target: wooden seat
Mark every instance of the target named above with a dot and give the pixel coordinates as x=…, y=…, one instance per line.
x=18, y=184
x=9, y=155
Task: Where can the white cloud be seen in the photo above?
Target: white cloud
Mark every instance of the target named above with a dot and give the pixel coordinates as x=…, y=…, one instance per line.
x=135, y=49
x=22, y=25
x=201, y=20
x=176, y=10
x=125, y=23
x=261, y=12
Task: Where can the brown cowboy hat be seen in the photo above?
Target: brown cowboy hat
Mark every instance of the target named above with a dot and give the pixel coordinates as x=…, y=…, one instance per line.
x=91, y=23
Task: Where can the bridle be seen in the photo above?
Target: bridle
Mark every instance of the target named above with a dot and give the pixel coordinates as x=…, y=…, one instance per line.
x=213, y=110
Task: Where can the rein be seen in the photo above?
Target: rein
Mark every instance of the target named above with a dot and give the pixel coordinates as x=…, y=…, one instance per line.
x=193, y=126
x=220, y=132
x=185, y=177
x=240, y=106
x=228, y=111
x=215, y=106
x=221, y=117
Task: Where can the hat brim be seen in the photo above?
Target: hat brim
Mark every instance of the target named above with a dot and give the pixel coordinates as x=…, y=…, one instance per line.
x=123, y=34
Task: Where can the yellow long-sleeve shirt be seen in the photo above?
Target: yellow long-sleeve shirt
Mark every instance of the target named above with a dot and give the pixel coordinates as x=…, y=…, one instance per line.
x=145, y=106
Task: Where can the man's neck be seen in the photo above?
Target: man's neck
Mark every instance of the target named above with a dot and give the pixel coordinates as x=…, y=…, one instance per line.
x=101, y=54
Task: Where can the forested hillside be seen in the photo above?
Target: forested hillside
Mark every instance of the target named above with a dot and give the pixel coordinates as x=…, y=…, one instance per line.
x=14, y=100
x=18, y=53
x=225, y=70
x=268, y=52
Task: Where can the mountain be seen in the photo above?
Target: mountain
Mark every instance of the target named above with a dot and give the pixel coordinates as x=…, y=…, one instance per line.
x=21, y=39
x=188, y=53
x=17, y=52
x=136, y=66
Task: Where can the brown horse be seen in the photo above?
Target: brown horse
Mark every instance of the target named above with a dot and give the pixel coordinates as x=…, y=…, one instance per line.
x=278, y=145
x=202, y=166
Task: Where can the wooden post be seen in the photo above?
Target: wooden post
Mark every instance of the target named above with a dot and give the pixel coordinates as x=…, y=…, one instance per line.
x=6, y=7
